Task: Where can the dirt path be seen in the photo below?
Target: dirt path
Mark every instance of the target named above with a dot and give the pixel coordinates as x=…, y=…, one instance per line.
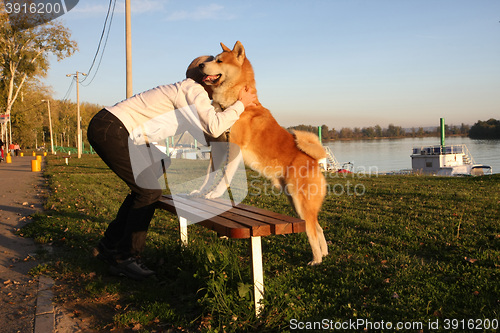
x=21, y=194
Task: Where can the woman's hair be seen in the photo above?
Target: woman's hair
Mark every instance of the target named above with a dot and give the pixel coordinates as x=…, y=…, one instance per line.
x=193, y=71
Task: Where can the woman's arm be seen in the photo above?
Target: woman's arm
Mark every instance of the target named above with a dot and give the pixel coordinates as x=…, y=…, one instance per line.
x=215, y=123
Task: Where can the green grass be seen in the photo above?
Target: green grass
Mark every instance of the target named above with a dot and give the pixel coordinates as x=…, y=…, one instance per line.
x=402, y=249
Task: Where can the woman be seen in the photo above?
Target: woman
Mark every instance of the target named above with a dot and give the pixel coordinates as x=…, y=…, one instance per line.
x=121, y=134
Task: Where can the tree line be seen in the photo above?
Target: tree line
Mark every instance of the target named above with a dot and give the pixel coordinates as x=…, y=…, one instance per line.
x=489, y=129
x=376, y=132
x=30, y=119
x=25, y=49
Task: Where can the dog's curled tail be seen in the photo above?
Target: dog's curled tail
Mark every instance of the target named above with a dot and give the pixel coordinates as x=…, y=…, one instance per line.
x=309, y=143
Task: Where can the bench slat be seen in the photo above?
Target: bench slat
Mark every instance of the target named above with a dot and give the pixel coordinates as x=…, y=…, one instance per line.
x=219, y=224
x=256, y=228
x=277, y=227
x=280, y=223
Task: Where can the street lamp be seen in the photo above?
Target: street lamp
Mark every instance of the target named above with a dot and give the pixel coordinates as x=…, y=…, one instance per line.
x=78, y=120
x=50, y=127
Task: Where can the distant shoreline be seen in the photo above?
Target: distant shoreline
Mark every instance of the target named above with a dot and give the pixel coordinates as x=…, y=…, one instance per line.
x=392, y=137
x=377, y=132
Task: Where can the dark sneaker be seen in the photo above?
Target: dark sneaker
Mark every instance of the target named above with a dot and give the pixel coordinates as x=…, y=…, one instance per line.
x=132, y=268
x=106, y=254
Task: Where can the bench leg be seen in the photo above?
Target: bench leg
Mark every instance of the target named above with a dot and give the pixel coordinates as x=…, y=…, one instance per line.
x=258, y=273
x=183, y=226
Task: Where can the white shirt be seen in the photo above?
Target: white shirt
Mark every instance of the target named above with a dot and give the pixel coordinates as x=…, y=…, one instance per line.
x=172, y=109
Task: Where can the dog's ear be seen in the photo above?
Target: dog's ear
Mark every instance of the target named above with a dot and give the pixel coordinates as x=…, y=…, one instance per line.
x=239, y=50
x=225, y=48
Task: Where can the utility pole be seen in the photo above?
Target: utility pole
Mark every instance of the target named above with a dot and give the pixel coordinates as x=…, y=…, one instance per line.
x=78, y=120
x=50, y=127
x=128, y=47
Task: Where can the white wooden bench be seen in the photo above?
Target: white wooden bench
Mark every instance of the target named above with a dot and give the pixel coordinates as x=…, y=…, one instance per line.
x=240, y=221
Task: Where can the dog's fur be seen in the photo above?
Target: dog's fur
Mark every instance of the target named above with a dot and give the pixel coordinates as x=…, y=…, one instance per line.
x=289, y=160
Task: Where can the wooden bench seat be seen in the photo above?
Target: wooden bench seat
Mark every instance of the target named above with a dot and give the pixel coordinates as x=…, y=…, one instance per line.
x=239, y=221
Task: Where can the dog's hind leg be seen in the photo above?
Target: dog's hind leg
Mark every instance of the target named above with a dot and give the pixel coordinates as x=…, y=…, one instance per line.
x=317, y=201
x=314, y=239
x=322, y=241
x=307, y=197
x=315, y=236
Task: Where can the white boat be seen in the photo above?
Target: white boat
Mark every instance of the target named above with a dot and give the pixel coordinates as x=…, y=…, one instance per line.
x=446, y=161
x=443, y=160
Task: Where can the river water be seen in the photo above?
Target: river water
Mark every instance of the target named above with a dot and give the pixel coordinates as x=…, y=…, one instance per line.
x=386, y=155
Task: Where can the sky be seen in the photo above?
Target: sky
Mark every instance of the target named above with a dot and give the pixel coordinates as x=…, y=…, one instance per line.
x=341, y=63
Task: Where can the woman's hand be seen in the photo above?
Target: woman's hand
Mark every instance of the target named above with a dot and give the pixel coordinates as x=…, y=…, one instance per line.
x=247, y=98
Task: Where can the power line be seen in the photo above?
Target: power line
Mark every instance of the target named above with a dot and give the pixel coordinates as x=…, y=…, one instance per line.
x=66, y=96
x=100, y=40
x=110, y=11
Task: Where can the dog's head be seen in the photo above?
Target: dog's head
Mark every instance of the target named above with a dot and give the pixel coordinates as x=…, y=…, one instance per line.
x=228, y=73
x=227, y=68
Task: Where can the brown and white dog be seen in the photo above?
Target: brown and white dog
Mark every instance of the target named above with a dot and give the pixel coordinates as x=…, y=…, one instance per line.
x=290, y=161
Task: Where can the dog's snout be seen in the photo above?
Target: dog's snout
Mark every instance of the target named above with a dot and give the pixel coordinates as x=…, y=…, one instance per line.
x=201, y=66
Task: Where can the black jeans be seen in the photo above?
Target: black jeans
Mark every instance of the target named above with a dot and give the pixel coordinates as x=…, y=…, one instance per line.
x=127, y=232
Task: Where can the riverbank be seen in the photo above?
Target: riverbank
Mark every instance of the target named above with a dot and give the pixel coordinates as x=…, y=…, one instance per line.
x=402, y=249
x=436, y=135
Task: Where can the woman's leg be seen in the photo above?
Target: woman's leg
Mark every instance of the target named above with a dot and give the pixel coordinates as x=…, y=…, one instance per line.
x=126, y=233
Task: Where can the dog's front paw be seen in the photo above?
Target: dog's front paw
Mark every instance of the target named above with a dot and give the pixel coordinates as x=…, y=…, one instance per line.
x=196, y=194
x=213, y=195
x=314, y=262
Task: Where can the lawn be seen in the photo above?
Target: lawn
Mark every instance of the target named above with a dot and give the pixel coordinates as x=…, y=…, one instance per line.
x=417, y=252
